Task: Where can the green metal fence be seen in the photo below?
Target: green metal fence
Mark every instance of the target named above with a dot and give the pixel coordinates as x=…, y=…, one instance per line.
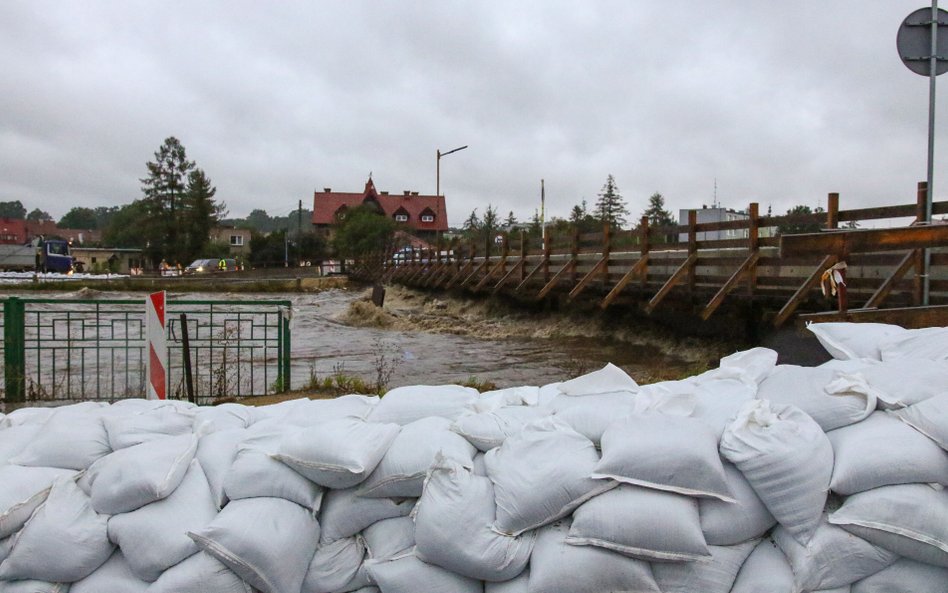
x=80, y=349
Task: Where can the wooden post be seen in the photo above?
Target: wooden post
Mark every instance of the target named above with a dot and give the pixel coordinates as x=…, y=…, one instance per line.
x=606, y=250
x=505, y=252
x=574, y=256
x=547, y=251
x=753, y=243
x=692, y=247
x=832, y=211
x=644, y=248
x=523, y=255
x=921, y=197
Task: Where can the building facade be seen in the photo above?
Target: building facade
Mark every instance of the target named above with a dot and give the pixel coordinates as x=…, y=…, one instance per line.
x=237, y=239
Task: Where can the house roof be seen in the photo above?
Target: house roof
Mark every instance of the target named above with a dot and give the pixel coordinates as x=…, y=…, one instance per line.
x=37, y=228
x=327, y=202
x=12, y=230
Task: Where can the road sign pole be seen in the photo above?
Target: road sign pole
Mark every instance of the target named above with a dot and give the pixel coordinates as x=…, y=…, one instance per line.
x=932, y=76
x=156, y=347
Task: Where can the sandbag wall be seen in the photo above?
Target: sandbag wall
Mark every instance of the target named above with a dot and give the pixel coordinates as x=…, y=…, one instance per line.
x=751, y=478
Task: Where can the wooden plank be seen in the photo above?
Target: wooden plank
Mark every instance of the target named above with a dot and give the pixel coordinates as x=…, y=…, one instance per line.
x=461, y=272
x=842, y=243
x=907, y=317
x=517, y=266
x=476, y=271
x=683, y=270
x=490, y=273
x=544, y=263
x=731, y=283
x=787, y=310
x=569, y=266
x=638, y=269
x=581, y=285
x=883, y=291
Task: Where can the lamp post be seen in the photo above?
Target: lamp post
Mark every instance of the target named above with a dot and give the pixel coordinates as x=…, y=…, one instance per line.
x=438, y=167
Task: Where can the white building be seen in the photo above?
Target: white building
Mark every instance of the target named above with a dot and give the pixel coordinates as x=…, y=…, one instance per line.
x=718, y=214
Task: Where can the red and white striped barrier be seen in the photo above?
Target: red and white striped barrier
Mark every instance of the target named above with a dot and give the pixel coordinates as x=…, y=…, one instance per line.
x=157, y=365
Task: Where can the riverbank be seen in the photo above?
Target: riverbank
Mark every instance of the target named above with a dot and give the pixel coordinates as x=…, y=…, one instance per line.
x=263, y=281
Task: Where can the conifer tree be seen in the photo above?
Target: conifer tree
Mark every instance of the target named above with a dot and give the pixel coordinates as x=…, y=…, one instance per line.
x=611, y=207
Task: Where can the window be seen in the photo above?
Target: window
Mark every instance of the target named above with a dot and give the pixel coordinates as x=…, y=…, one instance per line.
x=427, y=218
x=237, y=240
x=401, y=218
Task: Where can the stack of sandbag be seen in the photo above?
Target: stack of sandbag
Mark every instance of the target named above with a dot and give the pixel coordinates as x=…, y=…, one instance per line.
x=753, y=477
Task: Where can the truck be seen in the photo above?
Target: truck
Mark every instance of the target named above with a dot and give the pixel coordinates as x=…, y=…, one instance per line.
x=50, y=255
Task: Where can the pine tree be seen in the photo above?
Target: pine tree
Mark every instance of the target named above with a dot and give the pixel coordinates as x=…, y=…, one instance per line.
x=199, y=213
x=164, y=190
x=611, y=207
x=473, y=223
x=656, y=213
x=511, y=220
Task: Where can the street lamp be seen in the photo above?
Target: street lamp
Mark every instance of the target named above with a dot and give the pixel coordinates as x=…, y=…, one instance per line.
x=438, y=167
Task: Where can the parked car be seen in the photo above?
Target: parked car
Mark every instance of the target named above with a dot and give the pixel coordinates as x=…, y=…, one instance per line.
x=204, y=266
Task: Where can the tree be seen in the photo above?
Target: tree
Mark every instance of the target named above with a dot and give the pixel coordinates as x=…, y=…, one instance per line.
x=472, y=224
x=536, y=225
x=37, y=215
x=790, y=227
x=164, y=190
x=611, y=207
x=656, y=213
x=124, y=228
x=511, y=220
x=12, y=210
x=199, y=213
x=79, y=218
x=580, y=218
x=364, y=234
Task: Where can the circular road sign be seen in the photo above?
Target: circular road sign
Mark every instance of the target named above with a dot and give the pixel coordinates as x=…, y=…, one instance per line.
x=914, y=42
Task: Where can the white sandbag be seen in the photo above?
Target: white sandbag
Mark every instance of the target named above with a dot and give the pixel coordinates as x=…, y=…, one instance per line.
x=338, y=453
x=486, y=430
x=718, y=401
x=904, y=576
x=527, y=395
x=641, y=523
x=766, y=570
x=404, y=405
x=557, y=567
x=546, y=452
x=388, y=538
x=730, y=523
x=344, y=513
x=832, y=558
x=64, y=529
x=929, y=417
x=846, y=341
x=848, y=366
x=133, y=429
x=881, y=451
x=671, y=453
x=26, y=416
x=750, y=367
x=547, y=393
x=590, y=415
x=255, y=473
x=401, y=473
x=521, y=584
x=608, y=379
x=216, y=452
x=897, y=383
x=225, y=416
x=334, y=566
x=154, y=537
x=787, y=459
x=201, y=573
x=14, y=439
x=72, y=438
x=115, y=576
x=368, y=590
x=452, y=527
x=22, y=491
x=32, y=586
x=267, y=542
x=312, y=412
x=930, y=343
x=408, y=574
x=138, y=475
x=808, y=389
x=715, y=575
x=909, y=519
x=478, y=466
x=6, y=544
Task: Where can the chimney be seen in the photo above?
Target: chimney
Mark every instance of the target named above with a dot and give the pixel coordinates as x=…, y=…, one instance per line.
x=384, y=193
x=414, y=193
x=327, y=189
x=407, y=192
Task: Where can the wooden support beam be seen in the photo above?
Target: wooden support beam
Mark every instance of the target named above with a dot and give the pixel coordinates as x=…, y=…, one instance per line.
x=683, y=271
x=744, y=269
x=434, y=274
x=460, y=272
x=787, y=310
x=543, y=265
x=567, y=268
x=640, y=268
x=907, y=317
x=842, y=243
x=908, y=262
x=644, y=249
x=517, y=266
x=692, y=252
x=490, y=273
x=476, y=271
x=753, y=244
x=581, y=285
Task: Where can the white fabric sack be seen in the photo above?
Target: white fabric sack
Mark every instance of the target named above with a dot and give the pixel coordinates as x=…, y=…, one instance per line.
x=63, y=542
x=900, y=382
x=22, y=491
x=557, y=567
x=134, y=429
x=32, y=586
x=730, y=523
x=408, y=574
x=486, y=430
x=526, y=395
x=334, y=566
x=608, y=379
x=337, y=453
x=312, y=412
x=766, y=570
x=665, y=452
x=138, y=475
x=909, y=519
x=6, y=544
x=401, y=473
x=904, y=576
x=404, y=405
x=929, y=417
x=115, y=576
x=14, y=439
x=225, y=416
x=930, y=343
x=452, y=527
x=255, y=473
x=881, y=451
x=711, y=576
x=833, y=558
x=750, y=367
x=154, y=537
x=26, y=416
x=217, y=452
x=388, y=538
x=521, y=584
x=201, y=573
x=344, y=513
x=549, y=453
x=267, y=542
x=787, y=459
x=72, y=438
x=808, y=389
x=547, y=393
x=847, y=341
x=641, y=523
x=590, y=415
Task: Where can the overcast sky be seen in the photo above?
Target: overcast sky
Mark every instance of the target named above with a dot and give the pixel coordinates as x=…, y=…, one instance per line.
x=781, y=103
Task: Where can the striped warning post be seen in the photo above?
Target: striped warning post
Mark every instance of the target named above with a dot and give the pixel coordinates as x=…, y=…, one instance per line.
x=157, y=365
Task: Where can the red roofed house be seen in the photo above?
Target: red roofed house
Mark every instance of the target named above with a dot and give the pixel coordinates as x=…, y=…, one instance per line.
x=425, y=215
x=12, y=231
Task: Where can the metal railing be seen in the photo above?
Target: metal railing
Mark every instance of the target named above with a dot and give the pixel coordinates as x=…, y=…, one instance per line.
x=76, y=349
